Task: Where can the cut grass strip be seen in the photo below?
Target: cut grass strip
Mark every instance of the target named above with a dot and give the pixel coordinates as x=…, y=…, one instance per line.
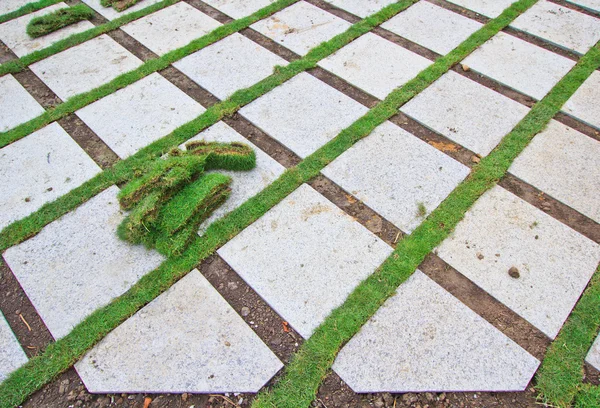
x=26, y=9
x=560, y=378
x=51, y=22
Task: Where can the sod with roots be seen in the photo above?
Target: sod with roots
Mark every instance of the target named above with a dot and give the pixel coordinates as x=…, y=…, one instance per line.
x=51, y=22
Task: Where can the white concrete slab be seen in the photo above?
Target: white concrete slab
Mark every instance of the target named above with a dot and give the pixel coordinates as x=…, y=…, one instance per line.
x=85, y=66
x=361, y=8
x=171, y=28
x=231, y=64
x=111, y=14
x=16, y=104
x=520, y=65
x=13, y=33
x=555, y=263
x=77, y=263
x=565, y=164
x=301, y=27
x=433, y=27
x=592, y=5
x=424, y=339
x=561, y=26
x=584, y=105
x=394, y=173
x=139, y=114
x=12, y=355
x=304, y=113
x=239, y=8
x=245, y=184
x=189, y=339
x=375, y=65
x=7, y=6
x=304, y=257
x=466, y=112
x=488, y=8
x=593, y=356
x=38, y=169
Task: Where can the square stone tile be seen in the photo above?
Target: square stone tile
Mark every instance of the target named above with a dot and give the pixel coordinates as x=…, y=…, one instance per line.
x=38, y=169
x=110, y=13
x=464, y=111
x=171, y=28
x=7, y=6
x=592, y=5
x=189, y=339
x=565, y=164
x=520, y=65
x=85, y=66
x=361, y=8
x=561, y=26
x=304, y=257
x=433, y=27
x=304, y=113
x=239, y=8
x=375, y=65
x=593, y=357
x=231, y=64
x=245, y=184
x=584, y=105
x=424, y=339
x=12, y=355
x=301, y=27
x=555, y=262
x=394, y=173
x=13, y=33
x=77, y=263
x=139, y=114
x=16, y=104
x=488, y=8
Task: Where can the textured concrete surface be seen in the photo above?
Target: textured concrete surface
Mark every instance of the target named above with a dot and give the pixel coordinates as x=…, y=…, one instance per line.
x=231, y=64
x=85, y=66
x=186, y=340
x=593, y=5
x=488, y=8
x=12, y=355
x=304, y=257
x=519, y=65
x=584, y=105
x=110, y=13
x=562, y=26
x=171, y=28
x=466, y=112
x=13, y=33
x=238, y=8
x=304, y=113
x=361, y=8
x=424, y=339
x=7, y=6
x=77, y=263
x=139, y=114
x=565, y=164
x=394, y=173
x=593, y=356
x=16, y=104
x=555, y=263
x=375, y=65
x=301, y=27
x=245, y=183
x=433, y=27
x=38, y=169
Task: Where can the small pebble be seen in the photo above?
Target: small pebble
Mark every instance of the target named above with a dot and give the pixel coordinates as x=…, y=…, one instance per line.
x=479, y=256
x=514, y=272
x=245, y=311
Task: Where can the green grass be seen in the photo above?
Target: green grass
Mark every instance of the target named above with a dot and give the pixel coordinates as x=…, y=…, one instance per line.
x=26, y=9
x=58, y=19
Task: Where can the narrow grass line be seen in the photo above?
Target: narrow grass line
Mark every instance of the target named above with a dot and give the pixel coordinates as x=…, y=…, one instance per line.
x=560, y=378
x=26, y=9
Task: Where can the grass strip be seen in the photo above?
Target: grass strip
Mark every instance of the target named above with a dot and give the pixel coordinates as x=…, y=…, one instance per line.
x=560, y=378
x=26, y=9
x=51, y=22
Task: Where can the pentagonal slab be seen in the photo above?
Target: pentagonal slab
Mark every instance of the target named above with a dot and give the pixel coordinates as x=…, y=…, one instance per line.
x=16, y=104
x=12, y=355
x=488, y=8
x=584, y=105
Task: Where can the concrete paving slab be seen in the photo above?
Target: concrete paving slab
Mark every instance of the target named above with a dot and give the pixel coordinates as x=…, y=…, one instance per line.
x=395, y=173
x=239, y=8
x=231, y=64
x=139, y=114
x=592, y=5
x=424, y=339
x=561, y=26
x=77, y=263
x=85, y=66
x=171, y=28
x=593, y=356
x=111, y=14
x=12, y=355
x=16, y=104
x=304, y=257
x=7, y=6
x=433, y=27
x=584, y=105
x=520, y=65
x=466, y=112
x=375, y=65
x=38, y=169
x=304, y=113
x=488, y=8
x=565, y=164
x=189, y=339
x=301, y=27
x=361, y=8
x=554, y=262
x=14, y=35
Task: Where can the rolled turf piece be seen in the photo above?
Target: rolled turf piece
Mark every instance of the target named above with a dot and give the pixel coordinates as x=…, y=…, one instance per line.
x=56, y=20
